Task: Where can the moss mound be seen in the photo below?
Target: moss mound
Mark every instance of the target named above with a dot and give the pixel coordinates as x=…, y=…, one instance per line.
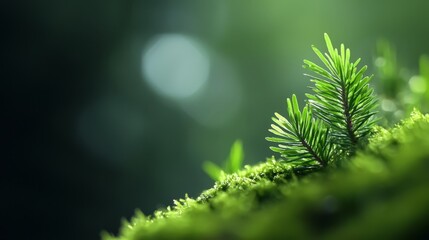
x=383, y=192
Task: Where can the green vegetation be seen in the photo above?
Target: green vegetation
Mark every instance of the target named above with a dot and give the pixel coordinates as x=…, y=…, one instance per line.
x=232, y=164
x=339, y=176
x=399, y=90
x=345, y=105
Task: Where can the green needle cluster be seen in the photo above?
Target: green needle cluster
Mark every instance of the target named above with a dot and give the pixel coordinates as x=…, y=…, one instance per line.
x=303, y=140
x=344, y=108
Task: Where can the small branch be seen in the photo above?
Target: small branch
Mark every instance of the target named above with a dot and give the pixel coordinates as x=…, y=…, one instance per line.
x=349, y=123
x=311, y=151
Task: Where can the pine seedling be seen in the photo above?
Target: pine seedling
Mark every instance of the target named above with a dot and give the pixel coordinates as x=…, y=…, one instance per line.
x=342, y=96
x=344, y=108
x=303, y=140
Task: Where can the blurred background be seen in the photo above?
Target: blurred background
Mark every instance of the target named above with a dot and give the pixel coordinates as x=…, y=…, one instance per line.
x=113, y=105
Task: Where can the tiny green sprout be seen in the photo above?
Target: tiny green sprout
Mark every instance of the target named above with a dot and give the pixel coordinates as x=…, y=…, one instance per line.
x=232, y=164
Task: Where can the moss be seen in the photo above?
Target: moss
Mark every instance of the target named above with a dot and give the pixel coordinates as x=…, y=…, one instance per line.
x=382, y=192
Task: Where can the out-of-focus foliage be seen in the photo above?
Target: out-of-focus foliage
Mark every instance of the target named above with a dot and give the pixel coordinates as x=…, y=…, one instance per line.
x=232, y=164
x=268, y=201
x=400, y=90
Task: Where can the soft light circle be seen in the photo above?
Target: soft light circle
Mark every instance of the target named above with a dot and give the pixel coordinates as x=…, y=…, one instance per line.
x=175, y=65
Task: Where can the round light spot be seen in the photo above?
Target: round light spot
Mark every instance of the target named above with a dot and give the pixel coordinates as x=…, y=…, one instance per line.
x=380, y=62
x=417, y=84
x=175, y=66
x=388, y=105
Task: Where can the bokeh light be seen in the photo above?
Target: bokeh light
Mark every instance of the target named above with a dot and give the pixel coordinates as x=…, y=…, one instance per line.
x=175, y=65
x=417, y=84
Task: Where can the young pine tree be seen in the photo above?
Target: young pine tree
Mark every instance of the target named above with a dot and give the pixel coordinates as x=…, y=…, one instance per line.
x=337, y=118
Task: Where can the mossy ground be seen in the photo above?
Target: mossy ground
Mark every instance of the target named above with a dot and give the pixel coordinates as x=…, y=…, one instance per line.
x=382, y=192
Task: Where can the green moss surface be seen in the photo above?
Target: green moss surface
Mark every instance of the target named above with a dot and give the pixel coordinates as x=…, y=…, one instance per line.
x=382, y=192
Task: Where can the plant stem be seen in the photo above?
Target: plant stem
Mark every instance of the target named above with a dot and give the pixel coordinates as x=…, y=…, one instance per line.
x=349, y=122
x=311, y=151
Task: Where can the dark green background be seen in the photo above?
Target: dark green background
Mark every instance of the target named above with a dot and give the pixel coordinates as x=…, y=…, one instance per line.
x=87, y=140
